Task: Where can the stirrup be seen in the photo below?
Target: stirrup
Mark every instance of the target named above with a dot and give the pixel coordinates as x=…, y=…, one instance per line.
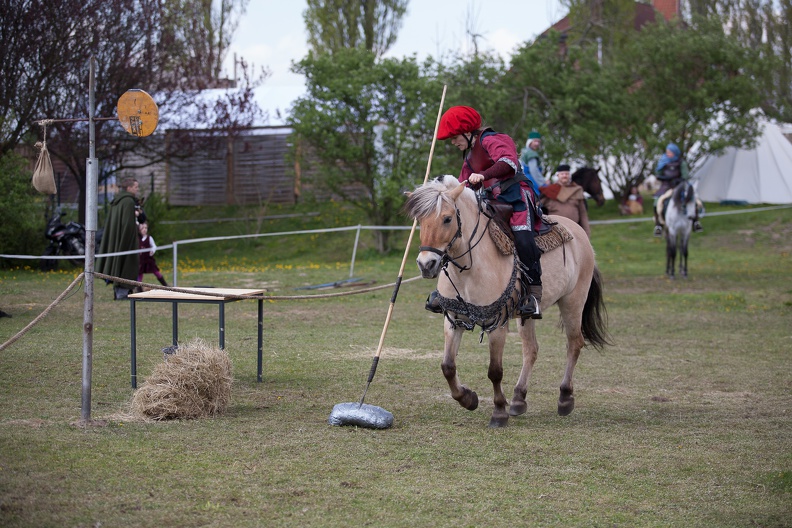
x=530, y=309
x=433, y=302
x=658, y=231
x=697, y=227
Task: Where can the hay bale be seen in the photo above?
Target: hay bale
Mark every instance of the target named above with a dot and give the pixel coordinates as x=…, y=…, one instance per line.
x=195, y=382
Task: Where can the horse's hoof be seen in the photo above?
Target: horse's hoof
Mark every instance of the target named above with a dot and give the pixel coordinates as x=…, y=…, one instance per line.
x=470, y=400
x=565, y=408
x=518, y=408
x=497, y=423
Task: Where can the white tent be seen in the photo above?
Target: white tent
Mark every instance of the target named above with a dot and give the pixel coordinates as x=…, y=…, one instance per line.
x=759, y=175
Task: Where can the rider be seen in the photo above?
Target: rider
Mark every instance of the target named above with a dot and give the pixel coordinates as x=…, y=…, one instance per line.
x=532, y=163
x=671, y=170
x=490, y=161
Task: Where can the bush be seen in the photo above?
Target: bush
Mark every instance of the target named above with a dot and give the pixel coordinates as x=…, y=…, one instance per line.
x=21, y=211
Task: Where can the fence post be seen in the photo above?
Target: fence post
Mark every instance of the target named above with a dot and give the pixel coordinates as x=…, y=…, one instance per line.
x=354, y=252
x=175, y=260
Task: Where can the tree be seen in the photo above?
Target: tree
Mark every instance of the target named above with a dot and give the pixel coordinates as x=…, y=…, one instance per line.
x=200, y=35
x=668, y=83
x=369, y=123
x=145, y=44
x=21, y=207
x=335, y=25
x=764, y=26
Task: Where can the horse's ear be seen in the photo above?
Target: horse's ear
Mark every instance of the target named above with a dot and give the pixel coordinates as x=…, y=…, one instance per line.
x=456, y=192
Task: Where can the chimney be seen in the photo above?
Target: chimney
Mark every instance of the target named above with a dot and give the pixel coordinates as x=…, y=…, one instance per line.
x=668, y=8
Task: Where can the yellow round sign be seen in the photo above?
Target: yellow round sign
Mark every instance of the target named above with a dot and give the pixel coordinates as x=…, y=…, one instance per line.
x=138, y=113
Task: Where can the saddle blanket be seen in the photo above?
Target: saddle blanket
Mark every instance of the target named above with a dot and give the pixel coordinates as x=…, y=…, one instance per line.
x=548, y=241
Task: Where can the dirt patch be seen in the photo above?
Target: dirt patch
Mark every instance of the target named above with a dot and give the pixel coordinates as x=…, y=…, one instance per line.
x=392, y=352
x=34, y=423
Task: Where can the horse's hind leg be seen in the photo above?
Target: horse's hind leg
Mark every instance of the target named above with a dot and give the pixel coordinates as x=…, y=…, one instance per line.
x=497, y=340
x=530, y=349
x=466, y=397
x=670, y=256
x=571, y=311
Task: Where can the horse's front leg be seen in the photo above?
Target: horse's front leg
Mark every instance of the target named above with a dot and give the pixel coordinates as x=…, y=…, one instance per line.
x=497, y=340
x=683, y=257
x=466, y=397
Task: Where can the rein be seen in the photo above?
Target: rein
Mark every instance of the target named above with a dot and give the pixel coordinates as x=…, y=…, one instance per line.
x=446, y=258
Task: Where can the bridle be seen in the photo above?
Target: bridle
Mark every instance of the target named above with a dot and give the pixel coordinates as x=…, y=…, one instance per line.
x=488, y=317
x=448, y=259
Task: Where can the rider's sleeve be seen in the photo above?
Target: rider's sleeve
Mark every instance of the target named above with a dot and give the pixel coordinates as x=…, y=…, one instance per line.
x=501, y=150
x=501, y=170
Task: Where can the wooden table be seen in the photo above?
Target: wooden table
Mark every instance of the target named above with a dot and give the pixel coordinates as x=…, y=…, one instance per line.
x=196, y=295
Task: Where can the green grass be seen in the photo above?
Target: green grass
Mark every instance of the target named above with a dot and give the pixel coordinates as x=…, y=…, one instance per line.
x=685, y=421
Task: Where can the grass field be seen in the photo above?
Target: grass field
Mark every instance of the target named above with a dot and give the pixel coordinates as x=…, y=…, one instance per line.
x=686, y=421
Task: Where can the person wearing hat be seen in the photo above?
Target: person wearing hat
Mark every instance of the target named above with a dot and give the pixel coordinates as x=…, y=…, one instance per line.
x=490, y=161
x=566, y=198
x=671, y=170
x=532, y=163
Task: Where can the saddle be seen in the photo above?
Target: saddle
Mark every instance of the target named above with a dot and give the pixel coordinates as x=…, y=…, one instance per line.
x=501, y=214
x=549, y=234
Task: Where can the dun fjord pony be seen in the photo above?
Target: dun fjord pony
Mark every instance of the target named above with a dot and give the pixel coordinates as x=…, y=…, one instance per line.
x=480, y=286
x=678, y=220
x=589, y=179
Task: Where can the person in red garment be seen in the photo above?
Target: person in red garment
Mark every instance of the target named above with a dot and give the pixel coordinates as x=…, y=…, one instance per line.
x=148, y=263
x=490, y=160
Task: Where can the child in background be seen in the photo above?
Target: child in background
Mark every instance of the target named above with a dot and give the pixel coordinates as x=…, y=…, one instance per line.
x=147, y=262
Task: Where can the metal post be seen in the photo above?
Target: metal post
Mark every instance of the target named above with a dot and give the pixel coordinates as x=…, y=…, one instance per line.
x=175, y=259
x=91, y=189
x=354, y=252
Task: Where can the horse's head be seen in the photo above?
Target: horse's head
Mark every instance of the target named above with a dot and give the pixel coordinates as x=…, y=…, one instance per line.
x=684, y=198
x=588, y=178
x=433, y=205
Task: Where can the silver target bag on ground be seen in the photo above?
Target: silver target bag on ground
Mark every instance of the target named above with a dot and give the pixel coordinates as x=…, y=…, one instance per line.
x=364, y=415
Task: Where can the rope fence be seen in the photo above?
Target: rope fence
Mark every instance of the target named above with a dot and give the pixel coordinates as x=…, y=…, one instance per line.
x=175, y=245
x=208, y=291
x=204, y=291
x=43, y=314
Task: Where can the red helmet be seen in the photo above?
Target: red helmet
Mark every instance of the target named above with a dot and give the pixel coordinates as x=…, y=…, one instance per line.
x=458, y=120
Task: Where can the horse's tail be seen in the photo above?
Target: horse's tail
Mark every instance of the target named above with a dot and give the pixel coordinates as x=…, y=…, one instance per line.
x=595, y=317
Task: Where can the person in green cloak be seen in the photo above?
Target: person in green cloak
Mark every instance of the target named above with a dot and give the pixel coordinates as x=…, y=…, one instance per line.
x=121, y=234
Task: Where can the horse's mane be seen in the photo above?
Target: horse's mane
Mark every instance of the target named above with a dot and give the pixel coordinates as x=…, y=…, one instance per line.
x=684, y=193
x=428, y=198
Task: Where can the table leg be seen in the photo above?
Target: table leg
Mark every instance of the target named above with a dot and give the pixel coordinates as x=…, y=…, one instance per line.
x=221, y=304
x=133, y=357
x=175, y=324
x=260, y=336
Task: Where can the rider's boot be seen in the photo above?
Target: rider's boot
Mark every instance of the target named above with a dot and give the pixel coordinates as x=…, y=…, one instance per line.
x=658, y=228
x=162, y=281
x=697, y=227
x=529, y=255
x=433, y=302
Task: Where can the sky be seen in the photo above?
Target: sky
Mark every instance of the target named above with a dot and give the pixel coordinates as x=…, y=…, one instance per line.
x=272, y=34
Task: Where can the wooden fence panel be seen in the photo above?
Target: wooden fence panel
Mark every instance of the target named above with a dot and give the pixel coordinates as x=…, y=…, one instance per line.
x=248, y=170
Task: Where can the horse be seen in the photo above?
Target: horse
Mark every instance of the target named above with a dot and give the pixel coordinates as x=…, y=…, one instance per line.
x=476, y=281
x=678, y=224
x=588, y=178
